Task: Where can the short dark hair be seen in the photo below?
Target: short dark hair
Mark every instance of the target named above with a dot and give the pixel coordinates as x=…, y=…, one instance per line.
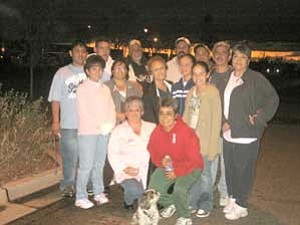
x=170, y=102
x=119, y=61
x=94, y=60
x=242, y=48
x=191, y=57
x=203, y=64
x=102, y=39
x=78, y=43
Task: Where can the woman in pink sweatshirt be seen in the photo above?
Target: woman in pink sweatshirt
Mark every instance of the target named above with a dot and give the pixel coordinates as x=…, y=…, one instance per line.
x=96, y=118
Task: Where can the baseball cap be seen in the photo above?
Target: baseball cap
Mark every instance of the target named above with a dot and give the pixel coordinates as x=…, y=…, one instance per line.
x=135, y=42
x=186, y=40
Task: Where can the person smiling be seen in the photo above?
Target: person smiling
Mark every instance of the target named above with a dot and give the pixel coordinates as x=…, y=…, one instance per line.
x=96, y=118
x=203, y=113
x=121, y=88
x=250, y=101
x=158, y=89
x=182, y=87
x=174, y=149
x=127, y=151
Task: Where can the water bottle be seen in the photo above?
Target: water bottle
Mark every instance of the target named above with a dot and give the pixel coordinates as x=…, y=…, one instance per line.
x=169, y=167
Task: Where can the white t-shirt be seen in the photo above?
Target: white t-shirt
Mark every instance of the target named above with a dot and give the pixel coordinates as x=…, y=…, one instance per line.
x=231, y=85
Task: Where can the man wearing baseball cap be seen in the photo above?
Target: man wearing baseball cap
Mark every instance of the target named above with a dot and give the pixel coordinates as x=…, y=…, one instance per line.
x=182, y=47
x=137, y=62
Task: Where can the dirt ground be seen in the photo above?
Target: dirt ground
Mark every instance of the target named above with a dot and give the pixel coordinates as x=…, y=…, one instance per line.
x=275, y=198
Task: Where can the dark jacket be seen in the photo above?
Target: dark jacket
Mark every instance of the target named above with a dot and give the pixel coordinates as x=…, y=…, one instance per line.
x=255, y=96
x=151, y=104
x=220, y=80
x=179, y=92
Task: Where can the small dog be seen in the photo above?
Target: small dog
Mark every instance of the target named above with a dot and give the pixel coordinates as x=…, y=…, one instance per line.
x=147, y=212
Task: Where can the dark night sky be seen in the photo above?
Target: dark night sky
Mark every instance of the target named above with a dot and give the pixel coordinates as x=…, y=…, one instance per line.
x=256, y=20
x=226, y=19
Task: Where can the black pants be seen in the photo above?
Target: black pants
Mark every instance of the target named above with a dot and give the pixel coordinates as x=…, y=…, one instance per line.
x=240, y=164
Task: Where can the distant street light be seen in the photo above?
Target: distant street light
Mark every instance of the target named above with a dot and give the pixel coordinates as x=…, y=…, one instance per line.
x=155, y=39
x=146, y=30
x=89, y=27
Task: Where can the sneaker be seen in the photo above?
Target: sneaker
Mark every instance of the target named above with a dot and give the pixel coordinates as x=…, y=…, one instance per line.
x=229, y=206
x=126, y=206
x=90, y=192
x=202, y=213
x=168, y=212
x=223, y=200
x=101, y=199
x=236, y=213
x=68, y=192
x=84, y=203
x=184, y=221
x=192, y=211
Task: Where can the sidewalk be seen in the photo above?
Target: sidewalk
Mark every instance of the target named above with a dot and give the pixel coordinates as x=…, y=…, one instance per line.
x=275, y=198
x=10, y=192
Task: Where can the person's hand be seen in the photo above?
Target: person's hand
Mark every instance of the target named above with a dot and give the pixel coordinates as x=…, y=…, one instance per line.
x=166, y=161
x=225, y=127
x=55, y=128
x=170, y=175
x=252, y=119
x=131, y=171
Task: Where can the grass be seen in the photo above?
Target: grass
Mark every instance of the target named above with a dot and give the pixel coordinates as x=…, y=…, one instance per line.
x=25, y=135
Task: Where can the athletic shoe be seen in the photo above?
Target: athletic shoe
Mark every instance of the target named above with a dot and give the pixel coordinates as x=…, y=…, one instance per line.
x=223, y=200
x=84, y=203
x=90, y=192
x=168, y=212
x=202, y=213
x=68, y=192
x=184, y=221
x=192, y=211
x=229, y=206
x=236, y=213
x=101, y=199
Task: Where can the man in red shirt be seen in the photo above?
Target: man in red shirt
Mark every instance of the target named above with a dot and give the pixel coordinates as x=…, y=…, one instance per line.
x=175, y=151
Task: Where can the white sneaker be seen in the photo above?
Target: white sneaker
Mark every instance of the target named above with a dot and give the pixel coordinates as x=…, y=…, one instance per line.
x=202, y=213
x=168, y=212
x=236, y=213
x=229, y=206
x=101, y=199
x=223, y=200
x=84, y=203
x=184, y=221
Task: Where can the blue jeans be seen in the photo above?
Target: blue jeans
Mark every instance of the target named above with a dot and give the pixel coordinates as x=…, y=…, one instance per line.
x=222, y=187
x=133, y=190
x=92, y=154
x=69, y=154
x=201, y=194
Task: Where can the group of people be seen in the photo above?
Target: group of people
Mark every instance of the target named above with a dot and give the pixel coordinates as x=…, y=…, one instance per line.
x=170, y=126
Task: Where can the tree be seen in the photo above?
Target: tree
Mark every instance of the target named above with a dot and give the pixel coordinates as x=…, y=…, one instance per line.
x=35, y=24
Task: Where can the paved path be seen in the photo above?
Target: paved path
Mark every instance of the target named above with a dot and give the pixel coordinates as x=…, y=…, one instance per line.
x=275, y=199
